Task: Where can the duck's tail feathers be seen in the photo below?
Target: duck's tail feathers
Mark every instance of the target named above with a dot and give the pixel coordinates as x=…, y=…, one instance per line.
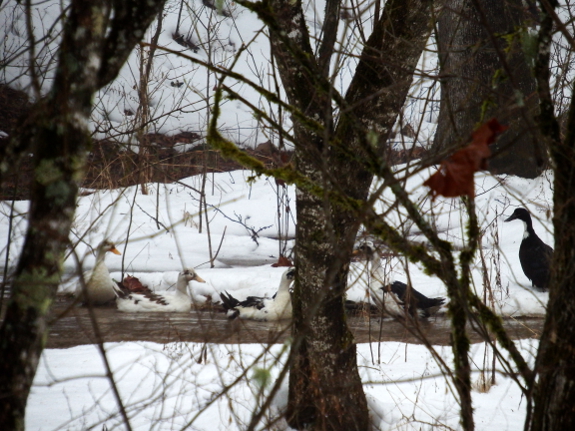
x=119, y=289
x=436, y=302
x=228, y=301
x=432, y=306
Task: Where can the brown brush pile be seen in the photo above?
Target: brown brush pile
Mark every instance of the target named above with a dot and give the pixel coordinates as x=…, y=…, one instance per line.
x=111, y=165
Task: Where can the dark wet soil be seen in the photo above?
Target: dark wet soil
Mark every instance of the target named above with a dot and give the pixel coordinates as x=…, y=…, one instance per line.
x=72, y=326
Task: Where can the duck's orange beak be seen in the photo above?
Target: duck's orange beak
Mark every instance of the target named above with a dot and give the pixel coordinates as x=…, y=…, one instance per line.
x=198, y=279
x=115, y=251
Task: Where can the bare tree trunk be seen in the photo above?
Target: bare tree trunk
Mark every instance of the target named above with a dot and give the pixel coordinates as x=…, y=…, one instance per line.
x=143, y=114
x=325, y=388
x=554, y=391
x=484, y=75
x=554, y=394
x=57, y=135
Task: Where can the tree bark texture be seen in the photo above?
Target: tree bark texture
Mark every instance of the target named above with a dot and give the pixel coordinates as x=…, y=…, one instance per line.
x=325, y=388
x=57, y=135
x=554, y=395
x=554, y=391
x=484, y=73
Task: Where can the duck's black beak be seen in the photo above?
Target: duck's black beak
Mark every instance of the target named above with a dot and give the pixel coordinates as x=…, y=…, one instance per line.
x=511, y=217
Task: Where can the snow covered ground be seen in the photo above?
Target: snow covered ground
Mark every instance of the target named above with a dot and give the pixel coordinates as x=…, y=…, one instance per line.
x=166, y=387
x=159, y=234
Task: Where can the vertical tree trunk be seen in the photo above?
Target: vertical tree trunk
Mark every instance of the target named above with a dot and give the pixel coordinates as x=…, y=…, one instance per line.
x=325, y=388
x=483, y=75
x=143, y=115
x=554, y=392
x=58, y=136
x=554, y=395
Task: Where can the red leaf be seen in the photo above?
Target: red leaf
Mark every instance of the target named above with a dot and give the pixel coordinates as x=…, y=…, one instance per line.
x=455, y=175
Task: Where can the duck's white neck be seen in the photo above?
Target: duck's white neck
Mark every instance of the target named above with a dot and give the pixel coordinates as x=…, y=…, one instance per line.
x=375, y=268
x=100, y=265
x=182, y=285
x=526, y=231
x=284, y=285
x=100, y=256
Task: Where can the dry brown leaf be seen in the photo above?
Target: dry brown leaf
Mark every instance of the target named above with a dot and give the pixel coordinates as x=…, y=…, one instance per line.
x=455, y=175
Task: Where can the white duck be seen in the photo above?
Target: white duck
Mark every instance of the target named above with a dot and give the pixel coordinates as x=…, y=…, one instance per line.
x=398, y=298
x=178, y=301
x=99, y=289
x=391, y=304
x=265, y=309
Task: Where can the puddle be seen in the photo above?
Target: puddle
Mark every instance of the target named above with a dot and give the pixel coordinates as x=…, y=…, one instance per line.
x=75, y=327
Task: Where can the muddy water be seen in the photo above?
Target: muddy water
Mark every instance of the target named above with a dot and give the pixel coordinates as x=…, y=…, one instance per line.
x=72, y=326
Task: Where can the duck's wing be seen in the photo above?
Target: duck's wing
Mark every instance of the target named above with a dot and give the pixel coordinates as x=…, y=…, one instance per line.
x=153, y=298
x=130, y=285
x=399, y=289
x=250, y=308
x=539, y=276
x=266, y=309
x=136, y=302
x=257, y=302
x=145, y=299
x=426, y=302
x=134, y=285
x=548, y=251
x=536, y=262
x=415, y=300
x=228, y=301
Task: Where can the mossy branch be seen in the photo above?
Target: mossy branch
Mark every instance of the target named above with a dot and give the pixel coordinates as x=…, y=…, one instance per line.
x=495, y=325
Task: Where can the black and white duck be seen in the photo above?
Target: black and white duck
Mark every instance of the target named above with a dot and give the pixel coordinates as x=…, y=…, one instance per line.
x=535, y=256
x=99, y=289
x=398, y=297
x=413, y=301
x=278, y=307
x=145, y=300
